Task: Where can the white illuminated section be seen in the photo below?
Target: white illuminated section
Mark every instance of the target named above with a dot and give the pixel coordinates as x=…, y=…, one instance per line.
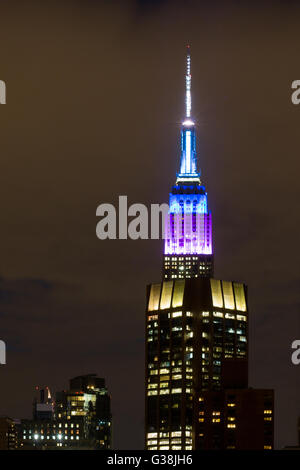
x=188, y=152
x=188, y=79
x=189, y=179
x=188, y=123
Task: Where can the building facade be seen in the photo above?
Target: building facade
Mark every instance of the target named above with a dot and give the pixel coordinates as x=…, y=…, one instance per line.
x=192, y=326
x=235, y=418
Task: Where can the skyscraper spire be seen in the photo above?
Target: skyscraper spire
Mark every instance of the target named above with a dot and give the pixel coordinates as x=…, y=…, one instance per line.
x=188, y=80
x=189, y=172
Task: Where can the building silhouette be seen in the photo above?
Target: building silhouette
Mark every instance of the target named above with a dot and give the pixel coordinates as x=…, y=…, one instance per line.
x=8, y=433
x=43, y=404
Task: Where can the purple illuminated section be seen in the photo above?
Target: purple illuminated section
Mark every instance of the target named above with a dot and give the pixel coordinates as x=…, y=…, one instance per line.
x=188, y=225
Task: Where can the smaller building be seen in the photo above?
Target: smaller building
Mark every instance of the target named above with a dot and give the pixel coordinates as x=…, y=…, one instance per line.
x=87, y=404
x=43, y=404
x=78, y=418
x=8, y=433
x=50, y=435
x=241, y=419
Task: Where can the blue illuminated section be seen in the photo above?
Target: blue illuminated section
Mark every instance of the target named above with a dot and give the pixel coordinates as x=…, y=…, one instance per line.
x=188, y=225
x=188, y=203
x=188, y=160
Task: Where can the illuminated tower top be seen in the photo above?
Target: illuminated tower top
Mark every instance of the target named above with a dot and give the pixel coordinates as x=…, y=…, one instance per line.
x=188, y=250
x=188, y=161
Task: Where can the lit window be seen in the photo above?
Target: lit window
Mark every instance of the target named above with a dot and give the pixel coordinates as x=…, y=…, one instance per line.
x=240, y=296
x=218, y=314
x=164, y=384
x=228, y=295
x=241, y=318
x=164, y=441
x=151, y=386
x=216, y=291
x=176, y=314
x=151, y=442
x=166, y=295
x=231, y=316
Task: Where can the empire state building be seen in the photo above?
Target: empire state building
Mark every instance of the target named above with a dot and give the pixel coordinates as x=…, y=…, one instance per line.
x=188, y=240
x=196, y=332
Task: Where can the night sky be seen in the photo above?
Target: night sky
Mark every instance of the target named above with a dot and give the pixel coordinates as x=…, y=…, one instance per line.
x=95, y=97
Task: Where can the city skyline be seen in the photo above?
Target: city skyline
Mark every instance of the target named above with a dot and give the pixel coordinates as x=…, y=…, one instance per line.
x=75, y=419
